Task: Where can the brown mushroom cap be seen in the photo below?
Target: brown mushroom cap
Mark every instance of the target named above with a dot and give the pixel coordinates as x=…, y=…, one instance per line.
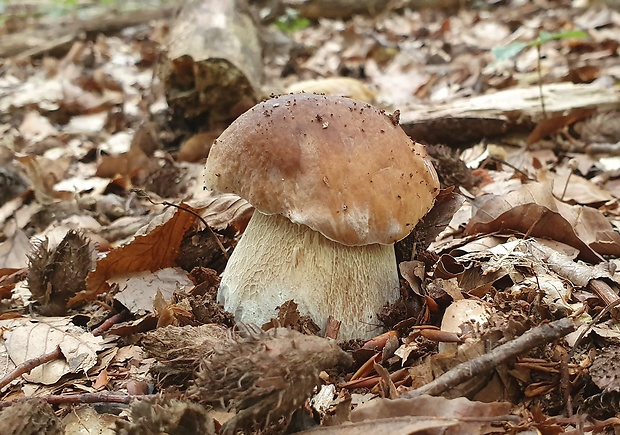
x=337, y=165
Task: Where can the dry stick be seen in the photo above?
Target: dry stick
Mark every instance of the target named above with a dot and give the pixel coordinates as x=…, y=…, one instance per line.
x=608, y=295
x=565, y=386
x=108, y=323
x=62, y=399
x=540, y=84
x=143, y=194
x=28, y=365
x=535, y=337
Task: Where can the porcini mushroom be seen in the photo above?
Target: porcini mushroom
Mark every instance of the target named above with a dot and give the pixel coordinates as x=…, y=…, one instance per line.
x=334, y=182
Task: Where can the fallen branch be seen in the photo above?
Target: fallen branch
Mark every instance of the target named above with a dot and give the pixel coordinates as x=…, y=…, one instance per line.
x=28, y=365
x=108, y=323
x=104, y=397
x=470, y=119
x=535, y=337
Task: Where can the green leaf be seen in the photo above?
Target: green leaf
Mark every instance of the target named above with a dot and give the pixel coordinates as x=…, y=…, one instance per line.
x=511, y=50
x=544, y=37
x=508, y=51
x=291, y=21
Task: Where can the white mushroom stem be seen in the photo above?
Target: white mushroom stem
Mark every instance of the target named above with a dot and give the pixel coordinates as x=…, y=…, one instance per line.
x=277, y=260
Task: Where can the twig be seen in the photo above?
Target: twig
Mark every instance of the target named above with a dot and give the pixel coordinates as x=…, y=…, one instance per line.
x=103, y=397
x=540, y=84
x=535, y=337
x=108, y=323
x=565, y=386
x=143, y=194
x=28, y=365
x=608, y=295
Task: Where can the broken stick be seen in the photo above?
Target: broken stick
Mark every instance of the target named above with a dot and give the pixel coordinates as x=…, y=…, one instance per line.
x=535, y=337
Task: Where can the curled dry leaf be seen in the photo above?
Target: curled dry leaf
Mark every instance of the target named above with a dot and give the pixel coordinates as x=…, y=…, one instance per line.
x=532, y=210
x=578, y=274
x=222, y=210
x=155, y=247
x=552, y=125
x=27, y=339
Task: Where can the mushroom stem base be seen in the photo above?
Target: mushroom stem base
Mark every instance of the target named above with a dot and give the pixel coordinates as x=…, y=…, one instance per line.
x=277, y=260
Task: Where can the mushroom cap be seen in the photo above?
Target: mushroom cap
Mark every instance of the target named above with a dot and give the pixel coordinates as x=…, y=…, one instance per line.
x=336, y=165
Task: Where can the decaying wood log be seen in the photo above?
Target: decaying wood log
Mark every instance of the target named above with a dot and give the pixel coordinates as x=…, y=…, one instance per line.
x=345, y=9
x=471, y=119
x=315, y=9
x=212, y=67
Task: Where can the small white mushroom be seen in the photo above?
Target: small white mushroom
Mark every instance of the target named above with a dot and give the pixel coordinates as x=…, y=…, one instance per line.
x=461, y=315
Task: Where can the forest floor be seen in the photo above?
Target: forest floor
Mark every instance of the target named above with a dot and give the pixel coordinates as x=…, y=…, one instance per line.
x=108, y=274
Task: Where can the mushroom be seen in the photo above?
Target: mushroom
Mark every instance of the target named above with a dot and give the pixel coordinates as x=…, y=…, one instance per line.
x=334, y=182
x=463, y=315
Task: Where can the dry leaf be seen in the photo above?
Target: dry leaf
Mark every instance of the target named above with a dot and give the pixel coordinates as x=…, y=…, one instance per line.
x=44, y=174
x=532, y=210
x=575, y=189
x=14, y=250
x=138, y=290
x=392, y=426
x=27, y=339
x=155, y=247
x=222, y=210
x=85, y=420
x=36, y=127
x=431, y=408
x=197, y=147
x=552, y=125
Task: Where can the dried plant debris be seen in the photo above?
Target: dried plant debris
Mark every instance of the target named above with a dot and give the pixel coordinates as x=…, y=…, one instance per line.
x=602, y=128
x=12, y=183
x=203, y=298
x=289, y=317
x=200, y=249
x=166, y=181
x=180, y=350
x=605, y=369
x=166, y=416
x=265, y=376
x=57, y=274
x=605, y=374
x=31, y=417
x=452, y=171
